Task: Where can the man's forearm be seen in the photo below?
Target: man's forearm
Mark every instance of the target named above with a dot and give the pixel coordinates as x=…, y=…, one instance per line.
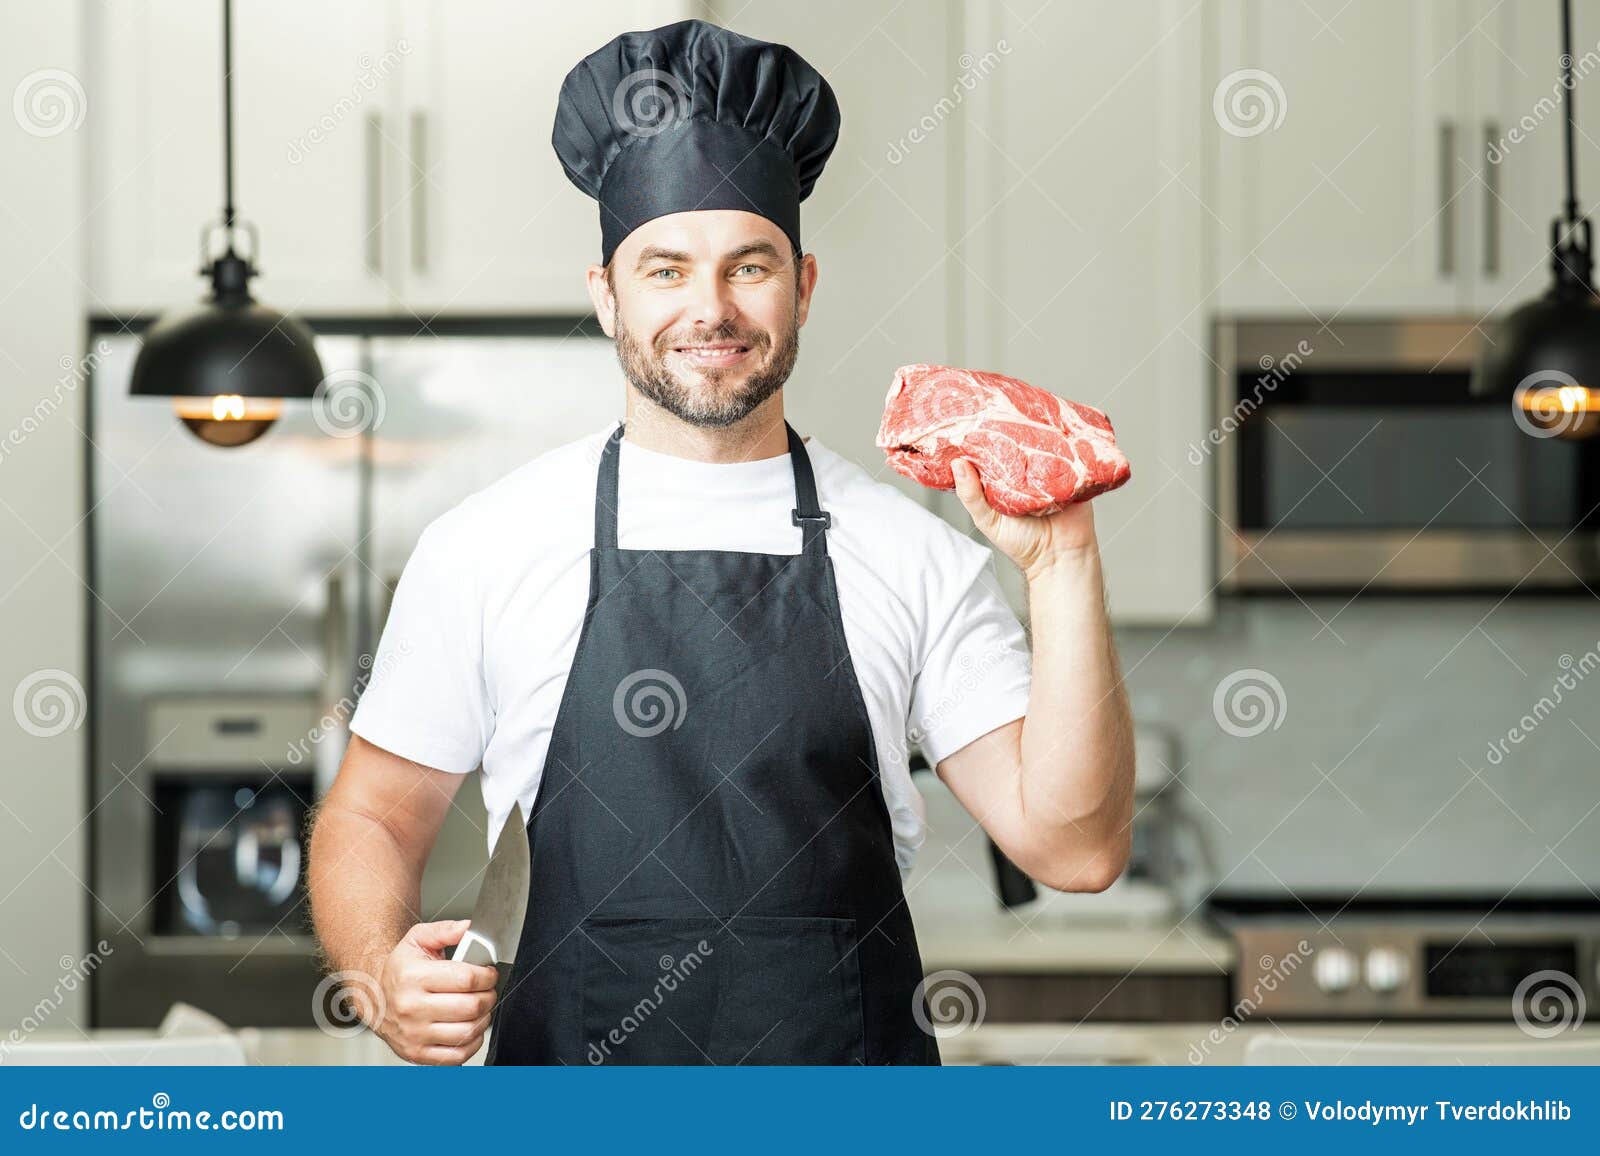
x=1076, y=783
x=365, y=889
x=368, y=847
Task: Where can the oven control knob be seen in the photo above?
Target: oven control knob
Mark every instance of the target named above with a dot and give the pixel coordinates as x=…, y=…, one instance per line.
x=1334, y=970
x=1386, y=969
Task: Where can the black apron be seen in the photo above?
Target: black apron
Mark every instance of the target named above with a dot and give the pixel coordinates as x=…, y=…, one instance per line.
x=713, y=873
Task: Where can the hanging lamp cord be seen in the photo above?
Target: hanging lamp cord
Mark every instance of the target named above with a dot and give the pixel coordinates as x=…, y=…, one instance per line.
x=228, y=120
x=1571, y=262
x=1572, y=110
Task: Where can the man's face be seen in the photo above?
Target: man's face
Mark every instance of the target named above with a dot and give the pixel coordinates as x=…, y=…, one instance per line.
x=706, y=309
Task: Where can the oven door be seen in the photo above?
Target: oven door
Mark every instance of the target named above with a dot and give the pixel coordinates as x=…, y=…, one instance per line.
x=1369, y=464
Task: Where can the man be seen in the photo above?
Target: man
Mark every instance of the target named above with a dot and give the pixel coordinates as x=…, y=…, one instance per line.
x=691, y=652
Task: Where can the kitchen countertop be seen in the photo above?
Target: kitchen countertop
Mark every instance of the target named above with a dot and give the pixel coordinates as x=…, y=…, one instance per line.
x=1208, y=1043
x=999, y=941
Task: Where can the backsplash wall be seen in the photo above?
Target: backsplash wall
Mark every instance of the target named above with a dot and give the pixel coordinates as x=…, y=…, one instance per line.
x=1373, y=770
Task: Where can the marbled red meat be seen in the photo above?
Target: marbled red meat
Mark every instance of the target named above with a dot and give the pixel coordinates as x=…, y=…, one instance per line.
x=1035, y=452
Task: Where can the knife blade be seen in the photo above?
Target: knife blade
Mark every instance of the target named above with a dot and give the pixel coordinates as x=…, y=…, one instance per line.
x=502, y=898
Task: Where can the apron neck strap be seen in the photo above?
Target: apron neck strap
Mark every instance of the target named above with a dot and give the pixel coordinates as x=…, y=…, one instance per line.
x=807, y=513
x=605, y=494
x=812, y=519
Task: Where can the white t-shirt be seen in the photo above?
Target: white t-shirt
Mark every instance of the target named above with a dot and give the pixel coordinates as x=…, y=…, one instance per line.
x=485, y=621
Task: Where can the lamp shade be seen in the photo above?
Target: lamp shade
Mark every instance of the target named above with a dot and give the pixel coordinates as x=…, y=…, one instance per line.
x=229, y=364
x=1543, y=360
x=244, y=349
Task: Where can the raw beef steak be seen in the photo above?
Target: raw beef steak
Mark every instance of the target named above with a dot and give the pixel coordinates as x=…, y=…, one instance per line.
x=1035, y=453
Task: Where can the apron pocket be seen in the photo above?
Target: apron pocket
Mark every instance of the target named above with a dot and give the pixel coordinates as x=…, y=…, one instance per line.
x=697, y=990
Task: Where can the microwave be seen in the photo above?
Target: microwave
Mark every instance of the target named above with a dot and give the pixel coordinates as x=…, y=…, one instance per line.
x=1352, y=456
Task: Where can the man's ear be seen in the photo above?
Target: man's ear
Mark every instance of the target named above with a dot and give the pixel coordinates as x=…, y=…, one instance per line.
x=601, y=297
x=806, y=284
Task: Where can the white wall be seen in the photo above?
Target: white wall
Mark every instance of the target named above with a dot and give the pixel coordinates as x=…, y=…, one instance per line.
x=43, y=844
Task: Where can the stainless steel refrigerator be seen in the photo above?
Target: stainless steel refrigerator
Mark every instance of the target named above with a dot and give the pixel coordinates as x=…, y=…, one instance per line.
x=237, y=597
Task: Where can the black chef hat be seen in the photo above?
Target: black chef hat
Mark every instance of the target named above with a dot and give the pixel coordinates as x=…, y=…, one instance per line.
x=692, y=116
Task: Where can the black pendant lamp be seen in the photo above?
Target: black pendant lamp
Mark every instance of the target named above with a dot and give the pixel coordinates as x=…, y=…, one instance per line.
x=1544, y=358
x=230, y=364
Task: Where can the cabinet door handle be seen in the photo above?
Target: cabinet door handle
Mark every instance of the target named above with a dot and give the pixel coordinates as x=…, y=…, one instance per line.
x=375, y=193
x=1491, y=201
x=419, y=191
x=1447, y=198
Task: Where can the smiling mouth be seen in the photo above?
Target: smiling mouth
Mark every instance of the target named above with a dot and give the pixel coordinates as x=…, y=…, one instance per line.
x=720, y=354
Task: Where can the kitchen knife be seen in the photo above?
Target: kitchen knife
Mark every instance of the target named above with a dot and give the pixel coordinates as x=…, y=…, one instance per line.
x=502, y=899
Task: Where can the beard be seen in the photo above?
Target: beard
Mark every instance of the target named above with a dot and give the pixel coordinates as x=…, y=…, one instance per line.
x=720, y=398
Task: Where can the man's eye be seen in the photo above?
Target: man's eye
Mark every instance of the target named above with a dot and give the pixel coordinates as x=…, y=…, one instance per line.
x=658, y=272
x=757, y=268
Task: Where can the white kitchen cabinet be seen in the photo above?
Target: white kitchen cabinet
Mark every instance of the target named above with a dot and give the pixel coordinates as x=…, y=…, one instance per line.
x=1417, y=164
x=312, y=82
x=1080, y=259
x=1338, y=129
x=490, y=222
x=396, y=160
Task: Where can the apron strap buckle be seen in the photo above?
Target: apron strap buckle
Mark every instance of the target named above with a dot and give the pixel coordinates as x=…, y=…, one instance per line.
x=814, y=525
x=822, y=517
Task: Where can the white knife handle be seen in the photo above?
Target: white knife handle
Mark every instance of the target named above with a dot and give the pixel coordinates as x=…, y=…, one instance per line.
x=475, y=948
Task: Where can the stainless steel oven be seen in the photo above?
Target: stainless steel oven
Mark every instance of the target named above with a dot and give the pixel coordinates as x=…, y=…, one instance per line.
x=200, y=862
x=1352, y=456
x=1506, y=958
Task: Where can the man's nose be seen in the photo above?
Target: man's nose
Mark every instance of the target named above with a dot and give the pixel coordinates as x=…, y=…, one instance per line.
x=712, y=304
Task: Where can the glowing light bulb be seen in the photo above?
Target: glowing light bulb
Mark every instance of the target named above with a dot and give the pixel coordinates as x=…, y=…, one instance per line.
x=227, y=419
